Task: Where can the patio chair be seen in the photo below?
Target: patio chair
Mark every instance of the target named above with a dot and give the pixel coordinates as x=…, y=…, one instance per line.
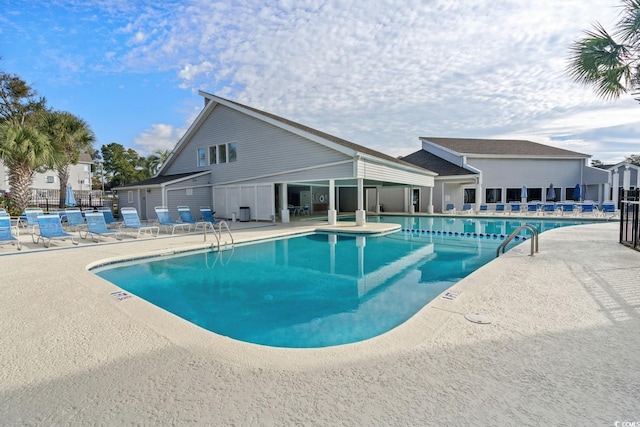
x=165, y=220
x=30, y=217
x=483, y=209
x=131, y=221
x=549, y=208
x=50, y=228
x=532, y=208
x=466, y=208
x=109, y=218
x=9, y=233
x=609, y=208
x=588, y=209
x=499, y=209
x=187, y=218
x=515, y=208
x=75, y=220
x=207, y=215
x=96, y=226
x=568, y=209
x=449, y=208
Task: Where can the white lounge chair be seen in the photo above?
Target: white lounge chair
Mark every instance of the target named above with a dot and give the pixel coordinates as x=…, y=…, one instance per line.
x=132, y=222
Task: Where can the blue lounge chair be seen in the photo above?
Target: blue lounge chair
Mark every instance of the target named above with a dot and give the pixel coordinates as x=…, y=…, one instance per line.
x=30, y=216
x=108, y=218
x=50, y=228
x=75, y=220
x=549, y=208
x=587, y=209
x=515, y=207
x=483, y=209
x=568, y=209
x=500, y=208
x=609, y=208
x=207, y=215
x=532, y=208
x=450, y=208
x=97, y=227
x=132, y=222
x=187, y=218
x=165, y=220
x=466, y=208
x=9, y=234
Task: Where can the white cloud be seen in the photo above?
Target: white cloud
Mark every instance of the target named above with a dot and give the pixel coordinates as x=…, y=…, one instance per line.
x=158, y=137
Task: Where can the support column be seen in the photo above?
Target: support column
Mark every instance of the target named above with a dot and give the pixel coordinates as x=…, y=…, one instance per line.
x=361, y=214
x=478, y=195
x=378, y=200
x=412, y=209
x=616, y=186
x=430, y=200
x=332, y=213
x=626, y=178
x=284, y=203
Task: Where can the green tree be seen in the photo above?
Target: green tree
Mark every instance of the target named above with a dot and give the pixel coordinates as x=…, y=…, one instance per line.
x=23, y=150
x=634, y=159
x=18, y=101
x=123, y=165
x=155, y=160
x=72, y=136
x=609, y=62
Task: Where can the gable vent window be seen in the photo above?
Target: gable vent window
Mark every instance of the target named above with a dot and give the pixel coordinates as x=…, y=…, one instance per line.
x=51, y=179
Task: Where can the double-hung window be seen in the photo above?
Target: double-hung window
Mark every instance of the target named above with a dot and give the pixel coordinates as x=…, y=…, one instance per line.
x=223, y=153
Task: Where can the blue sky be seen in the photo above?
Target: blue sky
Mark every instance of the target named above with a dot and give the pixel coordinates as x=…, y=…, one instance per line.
x=380, y=73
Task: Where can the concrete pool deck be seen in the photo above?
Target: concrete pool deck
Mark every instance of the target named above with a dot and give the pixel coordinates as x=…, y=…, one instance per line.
x=562, y=347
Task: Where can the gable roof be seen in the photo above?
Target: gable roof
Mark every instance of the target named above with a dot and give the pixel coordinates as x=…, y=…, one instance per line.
x=501, y=147
x=291, y=126
x=158, y=180
x=430, y=161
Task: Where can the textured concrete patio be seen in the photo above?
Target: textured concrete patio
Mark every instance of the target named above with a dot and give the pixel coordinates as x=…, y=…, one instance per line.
x=562, y=347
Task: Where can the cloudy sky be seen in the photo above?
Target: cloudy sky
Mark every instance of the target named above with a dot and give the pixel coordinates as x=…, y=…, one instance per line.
x=380, y=73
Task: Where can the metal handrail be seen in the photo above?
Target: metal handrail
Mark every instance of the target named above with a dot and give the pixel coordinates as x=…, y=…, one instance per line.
x=218, y=234
x=534, y=238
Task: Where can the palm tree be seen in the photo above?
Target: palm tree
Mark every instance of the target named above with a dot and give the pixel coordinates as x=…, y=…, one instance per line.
x=23, y=150
x=72, y=136
x=609, y=62
x=155, y=161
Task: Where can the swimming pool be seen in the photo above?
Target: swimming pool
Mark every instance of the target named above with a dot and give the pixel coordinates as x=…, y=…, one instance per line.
x=316, y=290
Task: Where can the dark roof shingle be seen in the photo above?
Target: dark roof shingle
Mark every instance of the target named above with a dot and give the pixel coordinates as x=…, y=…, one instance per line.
x=430, y=161
x=501, y=147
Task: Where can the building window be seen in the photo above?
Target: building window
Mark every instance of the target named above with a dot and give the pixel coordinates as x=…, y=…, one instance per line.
x=534, y=194
x=222, y=153
x=233, y=154
x=189, y=191
x=86, y=168
x=51, y=179
x=213, y=156
x=513, y=195
x=202, y=157
x=469, y=195
x=130, y=196
x=493, y=195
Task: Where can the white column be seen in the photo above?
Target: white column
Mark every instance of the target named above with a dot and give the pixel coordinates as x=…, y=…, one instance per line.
x=626, y=178
x=430, y=200
x=478, y=194
x=284, y=203
x=361, y=214
x=616, y=186
x=378, y=199
x=332, y=212
x=607, y=192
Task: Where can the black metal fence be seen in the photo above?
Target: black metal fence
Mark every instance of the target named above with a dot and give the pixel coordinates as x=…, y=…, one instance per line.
x=630, y=219
x=85, y=199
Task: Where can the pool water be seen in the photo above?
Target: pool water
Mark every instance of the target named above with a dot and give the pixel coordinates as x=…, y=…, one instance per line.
x=315, y=290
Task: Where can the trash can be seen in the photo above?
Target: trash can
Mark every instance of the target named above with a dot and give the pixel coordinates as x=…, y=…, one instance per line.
x=245, y=214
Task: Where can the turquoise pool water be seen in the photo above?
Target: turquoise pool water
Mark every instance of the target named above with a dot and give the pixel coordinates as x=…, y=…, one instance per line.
x=317, y=290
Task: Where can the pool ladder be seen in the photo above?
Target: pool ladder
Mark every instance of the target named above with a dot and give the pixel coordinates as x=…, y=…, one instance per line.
x=534, y=238
x=217, y=233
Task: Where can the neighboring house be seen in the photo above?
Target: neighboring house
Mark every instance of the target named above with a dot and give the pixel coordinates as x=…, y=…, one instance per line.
x=622, y=176
x=490, y=171
x=236, y=157
x=79, y=177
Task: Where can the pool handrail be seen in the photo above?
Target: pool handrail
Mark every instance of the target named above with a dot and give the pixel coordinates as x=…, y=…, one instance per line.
x=534, y=238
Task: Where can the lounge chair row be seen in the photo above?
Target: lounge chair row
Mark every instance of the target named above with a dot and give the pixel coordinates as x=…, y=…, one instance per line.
x=538, y=208
x=47, y=227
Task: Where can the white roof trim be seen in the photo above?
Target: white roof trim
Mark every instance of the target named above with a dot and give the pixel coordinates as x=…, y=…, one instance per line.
x=163, y=184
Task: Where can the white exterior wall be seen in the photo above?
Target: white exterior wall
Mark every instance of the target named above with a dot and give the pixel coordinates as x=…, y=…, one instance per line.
x=79, y=178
